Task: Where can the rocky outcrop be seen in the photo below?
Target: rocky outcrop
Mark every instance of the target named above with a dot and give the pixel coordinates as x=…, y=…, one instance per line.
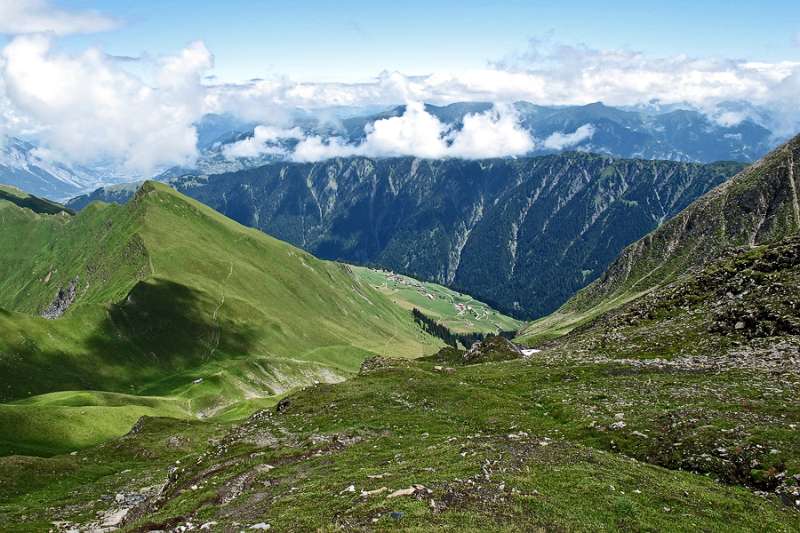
x=492, y=349
x=62, y=301
x=379, y=362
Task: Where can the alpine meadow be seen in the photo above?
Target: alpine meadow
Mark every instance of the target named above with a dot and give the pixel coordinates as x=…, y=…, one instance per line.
x=330, y=267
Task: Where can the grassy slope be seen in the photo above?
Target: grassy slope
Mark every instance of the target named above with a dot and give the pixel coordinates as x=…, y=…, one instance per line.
x=61, y=422
x=741, y=309
x=171, y=292
x=409, y=424
x=22, y=199
x=410, y=293
x=563, y=321
x=42, y=253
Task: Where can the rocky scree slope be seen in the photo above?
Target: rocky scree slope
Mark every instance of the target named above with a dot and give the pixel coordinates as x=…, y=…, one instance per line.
x=739, y=311
x=734, y=321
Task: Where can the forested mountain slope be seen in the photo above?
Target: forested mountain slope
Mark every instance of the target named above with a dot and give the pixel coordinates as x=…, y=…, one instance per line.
x=757, y=206
x=522, y=234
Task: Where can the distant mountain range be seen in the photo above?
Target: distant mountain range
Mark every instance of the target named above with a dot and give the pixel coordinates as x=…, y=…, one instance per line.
x=23, y=166
x=522, y=234
x=675, y=135
x=35, y=170
x=678, y=135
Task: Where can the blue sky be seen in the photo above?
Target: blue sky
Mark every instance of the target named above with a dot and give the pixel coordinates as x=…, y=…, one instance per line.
x=128, y=81
x=353, y=40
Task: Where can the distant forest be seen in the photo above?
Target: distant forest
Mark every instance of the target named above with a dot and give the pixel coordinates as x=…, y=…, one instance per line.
x=453, y=339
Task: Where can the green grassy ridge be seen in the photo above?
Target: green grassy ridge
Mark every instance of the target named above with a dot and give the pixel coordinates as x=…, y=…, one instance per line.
x=410, y=293
x=34, y=203
x=172, y=292
x=411, y=424
x=274, y=285
x=43, y=253
x=218, y=290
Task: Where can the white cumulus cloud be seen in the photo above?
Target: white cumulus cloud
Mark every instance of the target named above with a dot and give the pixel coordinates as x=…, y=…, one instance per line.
x=416, y=132
x=40, y=16
x=86, y=107
x=265, y=140
x=494, y=133
x=549, y=74
x=560, y=141
x=315, y=148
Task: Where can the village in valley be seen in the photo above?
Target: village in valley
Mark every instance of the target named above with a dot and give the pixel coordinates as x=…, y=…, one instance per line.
x=459, y=312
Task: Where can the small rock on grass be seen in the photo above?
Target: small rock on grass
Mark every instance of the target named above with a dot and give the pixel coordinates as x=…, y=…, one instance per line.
x=368, y=493
x=402, y=492
x=410, y=491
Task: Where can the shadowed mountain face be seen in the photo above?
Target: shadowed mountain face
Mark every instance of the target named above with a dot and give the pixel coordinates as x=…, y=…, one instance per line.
x=523, y=234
